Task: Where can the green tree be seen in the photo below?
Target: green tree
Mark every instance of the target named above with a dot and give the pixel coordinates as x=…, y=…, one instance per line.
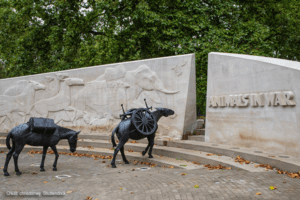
x=43, y=36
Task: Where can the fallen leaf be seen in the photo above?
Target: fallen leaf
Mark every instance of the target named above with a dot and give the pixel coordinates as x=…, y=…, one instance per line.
x=216, y=167
x=33, y=173
x=284, y=182
x=63, y=180
x=133, y=169
x=69, y=192
x=241, y=160
x=196, y=186
x=258, y=193
x=45, y=182
x=120, y=188
x=131, y=192
x=273, y=188
x=88, y=198
x=183, y=174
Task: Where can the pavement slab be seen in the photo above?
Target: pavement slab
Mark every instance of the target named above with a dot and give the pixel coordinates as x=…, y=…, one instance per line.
x=85, y=177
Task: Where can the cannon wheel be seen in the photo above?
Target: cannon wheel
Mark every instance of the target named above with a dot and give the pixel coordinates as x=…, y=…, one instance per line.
x=144, y=121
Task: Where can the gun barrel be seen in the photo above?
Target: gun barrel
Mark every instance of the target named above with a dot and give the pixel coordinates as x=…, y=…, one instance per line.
x=147, y=105
x=123, y=109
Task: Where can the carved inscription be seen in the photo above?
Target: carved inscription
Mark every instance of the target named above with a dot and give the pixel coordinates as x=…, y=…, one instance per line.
x=280, y=98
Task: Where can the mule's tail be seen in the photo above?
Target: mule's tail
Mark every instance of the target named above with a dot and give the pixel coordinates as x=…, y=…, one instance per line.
x=113, y=136
x=8, y=140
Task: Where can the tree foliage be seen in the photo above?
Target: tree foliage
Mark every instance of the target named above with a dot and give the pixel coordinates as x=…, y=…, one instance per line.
x=50, y=35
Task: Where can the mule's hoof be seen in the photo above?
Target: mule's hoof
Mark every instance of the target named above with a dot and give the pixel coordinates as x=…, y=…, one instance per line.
x=42, y=169
x=126, y=162
x=54, y=169
x=143, y=153
x=113, y=166
x=150, y=156
x=6, y=174
x=18, y=173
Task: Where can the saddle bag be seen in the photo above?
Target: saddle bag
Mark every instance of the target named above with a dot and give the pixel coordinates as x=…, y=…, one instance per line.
x=42, y=125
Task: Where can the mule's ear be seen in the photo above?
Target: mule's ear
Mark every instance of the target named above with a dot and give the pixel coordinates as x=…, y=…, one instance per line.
x=78, y=132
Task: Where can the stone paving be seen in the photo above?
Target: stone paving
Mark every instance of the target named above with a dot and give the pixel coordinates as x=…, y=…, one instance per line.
x=92, y=178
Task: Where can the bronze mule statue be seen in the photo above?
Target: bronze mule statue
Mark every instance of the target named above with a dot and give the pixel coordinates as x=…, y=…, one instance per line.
x=141, y=124
x=37, y=132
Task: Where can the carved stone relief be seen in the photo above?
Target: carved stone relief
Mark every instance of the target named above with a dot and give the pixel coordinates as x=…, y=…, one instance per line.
x=52, y=84
x=19, y=103
x=95, y=103
x=179, y=68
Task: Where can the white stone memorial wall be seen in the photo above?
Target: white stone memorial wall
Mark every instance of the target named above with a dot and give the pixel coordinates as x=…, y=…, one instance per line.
x=253, y=101
x=89, y=99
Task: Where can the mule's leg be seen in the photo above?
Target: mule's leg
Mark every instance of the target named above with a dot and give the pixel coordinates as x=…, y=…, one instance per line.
x=56, y=157
x=122, y=141
x=144, y=152
x=16, y=154
x=123, y=156
x=151, y=143
x=45, y=148
x=8, y=157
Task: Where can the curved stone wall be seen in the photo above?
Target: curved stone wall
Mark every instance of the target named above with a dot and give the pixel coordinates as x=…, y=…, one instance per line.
x=90, y=98
x=252, y=101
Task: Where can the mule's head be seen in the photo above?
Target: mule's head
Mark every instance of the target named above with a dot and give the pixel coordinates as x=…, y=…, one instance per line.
x=166, y=111
x=73, y=141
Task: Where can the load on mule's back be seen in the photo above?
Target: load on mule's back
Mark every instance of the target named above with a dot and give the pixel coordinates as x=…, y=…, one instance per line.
x=37, y=132
x=42, y=125
x=141, y=123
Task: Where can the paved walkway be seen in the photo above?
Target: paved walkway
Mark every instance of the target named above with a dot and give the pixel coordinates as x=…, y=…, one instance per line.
x=92, y=178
